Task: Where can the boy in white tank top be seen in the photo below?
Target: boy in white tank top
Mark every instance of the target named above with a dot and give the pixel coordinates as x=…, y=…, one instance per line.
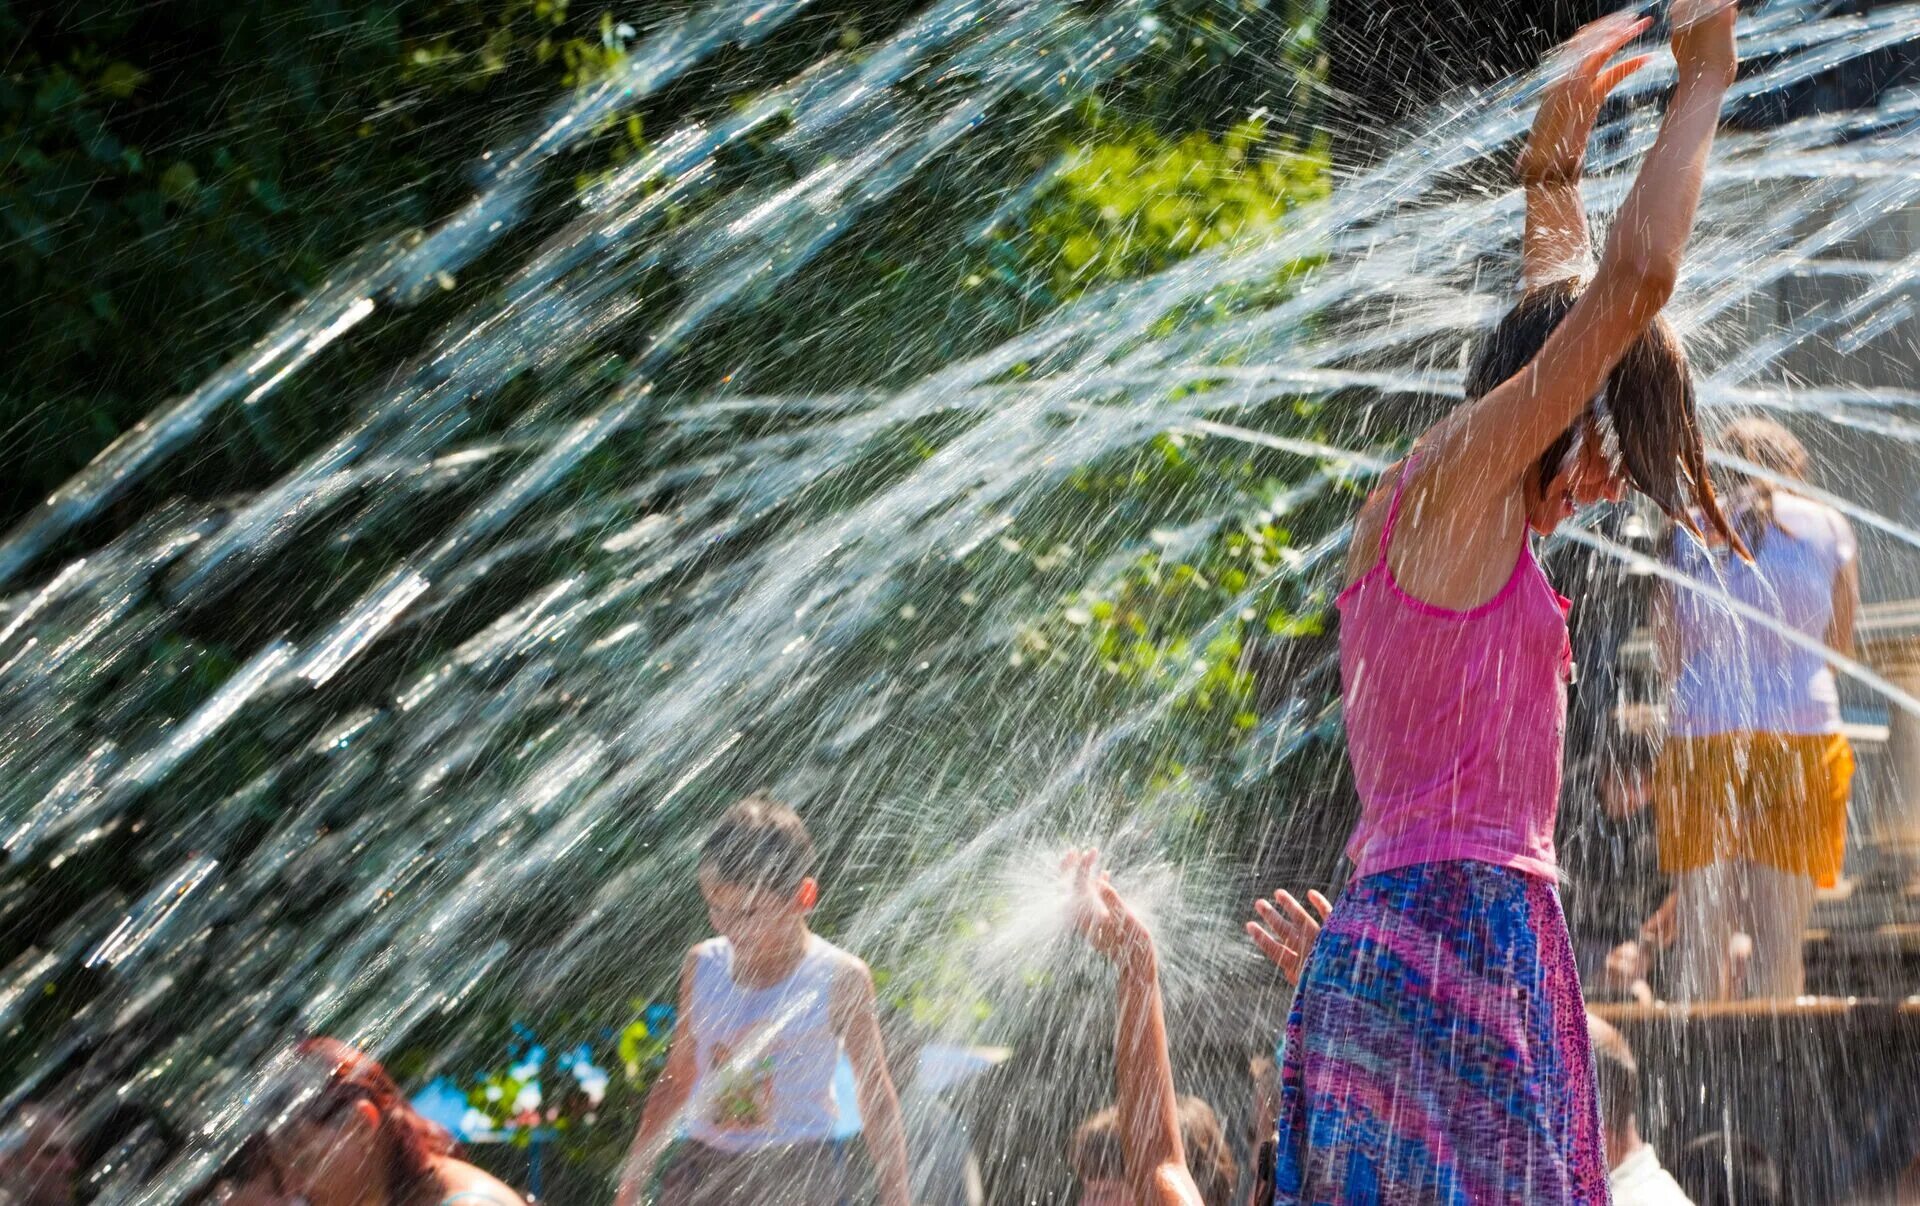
x=765, y=1011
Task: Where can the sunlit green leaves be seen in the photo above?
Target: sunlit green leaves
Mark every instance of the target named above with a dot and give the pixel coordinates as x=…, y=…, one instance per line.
x=1130, y=200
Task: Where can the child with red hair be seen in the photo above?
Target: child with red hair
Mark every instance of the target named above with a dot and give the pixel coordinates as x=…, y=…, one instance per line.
x=343, y=1135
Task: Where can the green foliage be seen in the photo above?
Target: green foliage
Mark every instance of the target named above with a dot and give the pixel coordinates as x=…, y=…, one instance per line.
x=172, y=175
x=1130, y=201
x=1181, y=614
x=1089, y=199
x=642, y=1048
x=942, y=995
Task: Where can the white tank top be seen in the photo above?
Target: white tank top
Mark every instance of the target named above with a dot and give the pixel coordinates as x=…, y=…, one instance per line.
x=764, y=1057
x=1738, y=675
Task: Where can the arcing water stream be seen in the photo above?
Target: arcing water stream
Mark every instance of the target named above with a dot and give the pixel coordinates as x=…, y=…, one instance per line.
x=496, y=684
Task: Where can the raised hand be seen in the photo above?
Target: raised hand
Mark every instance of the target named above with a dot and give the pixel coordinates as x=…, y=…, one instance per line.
x=1703, y=38
x=1099, y=912
x=1284, y=931
x=1150, y=1147
x=1584, y=75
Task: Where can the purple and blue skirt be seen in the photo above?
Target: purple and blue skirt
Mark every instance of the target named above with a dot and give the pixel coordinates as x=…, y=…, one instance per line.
x=1437, y=1048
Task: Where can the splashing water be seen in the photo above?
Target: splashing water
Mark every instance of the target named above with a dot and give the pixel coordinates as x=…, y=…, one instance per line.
x=465, y=767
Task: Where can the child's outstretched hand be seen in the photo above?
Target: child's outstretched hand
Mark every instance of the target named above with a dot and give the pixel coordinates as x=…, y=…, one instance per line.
x=1584, y=76
x=1284, y=931
x=1703, y=38
x=1099, y=912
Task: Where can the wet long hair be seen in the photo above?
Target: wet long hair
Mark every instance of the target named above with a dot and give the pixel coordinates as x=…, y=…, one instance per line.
x=1770, y=446
x=1650, y=407
x=413, y=1142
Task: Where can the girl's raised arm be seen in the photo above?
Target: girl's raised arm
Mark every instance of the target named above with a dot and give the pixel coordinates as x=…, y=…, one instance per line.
x=1557, y=244
x=1483, y=447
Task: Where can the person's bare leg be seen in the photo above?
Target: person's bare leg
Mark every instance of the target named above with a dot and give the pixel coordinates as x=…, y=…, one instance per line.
x=1781, y=903
x=1706, y=908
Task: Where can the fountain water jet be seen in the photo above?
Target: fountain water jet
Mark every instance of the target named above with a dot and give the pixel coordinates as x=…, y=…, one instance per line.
x=499, y=816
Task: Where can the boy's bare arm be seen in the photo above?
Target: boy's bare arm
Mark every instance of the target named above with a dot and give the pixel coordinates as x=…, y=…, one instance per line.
x=854, y=1016
x=1150, y=1145
x=665, y=1099
x=1143, y=1080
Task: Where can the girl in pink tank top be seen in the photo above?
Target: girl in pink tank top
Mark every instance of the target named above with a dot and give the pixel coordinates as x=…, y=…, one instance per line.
x=1437, y=1049
x=1455, y=717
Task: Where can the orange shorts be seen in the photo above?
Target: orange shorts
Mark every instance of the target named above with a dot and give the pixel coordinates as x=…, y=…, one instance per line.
x=1779, y=799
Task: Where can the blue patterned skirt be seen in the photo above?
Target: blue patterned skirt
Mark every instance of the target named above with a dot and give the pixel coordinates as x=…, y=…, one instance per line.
x=1437, y=1048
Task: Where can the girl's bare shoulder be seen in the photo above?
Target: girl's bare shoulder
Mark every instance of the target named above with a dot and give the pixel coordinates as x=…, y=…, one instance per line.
x=1363, y=550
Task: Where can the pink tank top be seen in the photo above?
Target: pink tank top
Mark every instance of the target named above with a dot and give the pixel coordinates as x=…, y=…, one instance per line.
x=1455, y=719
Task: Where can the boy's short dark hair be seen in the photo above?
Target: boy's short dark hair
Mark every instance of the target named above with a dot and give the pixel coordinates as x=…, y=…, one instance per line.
x=760, y=844
x=1719, y=1169
x=1096, y=1155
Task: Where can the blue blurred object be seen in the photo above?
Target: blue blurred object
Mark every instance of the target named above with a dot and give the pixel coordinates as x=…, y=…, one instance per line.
x=944, y=1067
x=443, y=1102
x=941, y=1068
